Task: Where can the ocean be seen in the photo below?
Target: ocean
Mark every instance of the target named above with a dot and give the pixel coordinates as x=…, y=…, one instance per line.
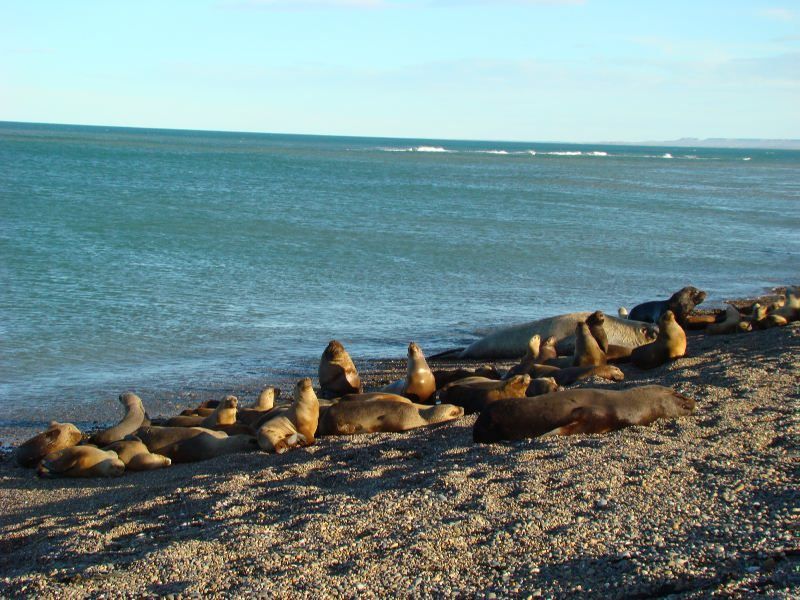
x=171, y=262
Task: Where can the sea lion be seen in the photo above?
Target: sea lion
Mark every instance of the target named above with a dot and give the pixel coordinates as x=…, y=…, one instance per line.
x=728, y=325
x=570, y=375
x=595, y=321
x=337, y=373
x=81, y=461
x=56, y=437
x=419, y=384
x=542, y=385
x=135, y=417
x=136, y=457
x=587, y=350
x=618, y=353
x=622, y=312
x=578, y=411
x=547, y=351
x=374, y=396
x=511, y=342
x=443, y=377
x=223, y=414
x=530, y=358
x=297, y=426
x=347, y=418
x=681, y=303
x=191, y=444
x=670, y=344
x=472, y=395
x=790, y=309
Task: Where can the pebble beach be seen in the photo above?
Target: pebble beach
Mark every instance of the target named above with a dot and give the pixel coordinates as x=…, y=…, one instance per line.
x=704, y=505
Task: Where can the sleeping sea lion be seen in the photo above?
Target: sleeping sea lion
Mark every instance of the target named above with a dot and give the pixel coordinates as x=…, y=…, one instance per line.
x=569, y=375
x=337, y=373
x=136, y=457
x=542, y=385
x=135, y=417
x=443, y=377
x=347, y=418
x=191, y=444
x=223, y=414
x=56, y=437
x=472, y=394
x=81, y=461
x=728, y=325
x=587, y=350
x=374, y=396
x=578, y=411
x=670, y=344
x=681, y=303
x=419, y=384
x=296, y=426
x=511, y=342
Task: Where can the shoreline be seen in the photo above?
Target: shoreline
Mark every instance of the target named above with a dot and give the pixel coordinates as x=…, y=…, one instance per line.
x=701, y=505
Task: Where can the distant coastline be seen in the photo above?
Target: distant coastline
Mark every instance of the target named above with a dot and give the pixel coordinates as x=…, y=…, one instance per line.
x=688, y=142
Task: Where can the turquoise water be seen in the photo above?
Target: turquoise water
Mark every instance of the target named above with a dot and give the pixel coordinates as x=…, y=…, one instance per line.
x=162, y=260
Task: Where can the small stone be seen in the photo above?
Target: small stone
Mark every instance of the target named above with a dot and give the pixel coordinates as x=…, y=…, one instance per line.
x=601, y=503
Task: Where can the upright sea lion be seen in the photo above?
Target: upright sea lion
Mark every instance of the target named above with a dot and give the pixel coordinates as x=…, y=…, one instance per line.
x=297, y=426
x=135, y=418
x=56, y=437
x=136, y=457
x=443, y=377
x=595, y=321
x=337, y=373
x=670, y=344
x=530, y=358
x=587, y=351
x=474, y=395
x=419, y=384
x=347, y=418
x=729, y=325
x=547, y=351
x=681, y=303
x=81, y=461
x=191, y=444
x=511, y=342
x=578, y=411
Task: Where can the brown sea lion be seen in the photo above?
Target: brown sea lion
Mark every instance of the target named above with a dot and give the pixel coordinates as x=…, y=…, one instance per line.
x=472, y=395
x=547, y=351
x=223, y=414
x=295, y=427
x=347, y=418
x=443, y=377
x=618, y=353
x=578, y=411
x=56, y=437
x=569, y=375
x=681, y=303
x=790, y=309
x=595, y=322
x=81, y=461
x=730, y=324
x=542, y=385
x=373, y=396
x=530, y=358
x=587, y=350
x=337, y=373
x=419, y=384
x=669, y=345
x=191, y=444
x=135, y=417
x=136, y=457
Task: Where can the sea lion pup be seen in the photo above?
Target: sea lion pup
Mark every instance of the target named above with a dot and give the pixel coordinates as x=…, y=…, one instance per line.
x=729, y=325
x=337, y=373
x=530, y=358
x=670, y=344
x=681, y=303
x=419, y=384
x=297, y=426
x=191, y=444
x=569, y=375
x=473, y=394
x=136, y=457
x=56, y=437
x=511, y=342
x=443, y=377
x=359, y=416
x=135, y=418
x=578, y=411
x=587, y=351
x=81, y=461
x=595, y=322
x=264, y=404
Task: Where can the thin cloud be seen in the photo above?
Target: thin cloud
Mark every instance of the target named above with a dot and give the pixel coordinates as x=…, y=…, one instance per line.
x=778, y=14
x=306, y=4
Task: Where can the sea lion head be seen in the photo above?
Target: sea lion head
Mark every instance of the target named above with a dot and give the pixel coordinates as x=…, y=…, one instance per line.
x=517, y=382
x=685, y=300
x=441, y=413
x=266, y=399
x=596, y=318
x=622, y=312
x=303, y=389
x=414, y=351
x=129, y=399
x=759, y=312
x=113, y=466
x=675, y=404
x=333, y=350
x=648, y=332
x=229, y=402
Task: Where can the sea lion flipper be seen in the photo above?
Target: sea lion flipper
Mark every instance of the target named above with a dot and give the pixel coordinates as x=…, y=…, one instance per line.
x=567, y=429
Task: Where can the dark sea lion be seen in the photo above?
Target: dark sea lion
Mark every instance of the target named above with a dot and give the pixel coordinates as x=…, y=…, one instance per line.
x=669, y=345
x=542, y=385
x=135, y=417
x=472, y=395
x=569, y=375
x=595, y=321
x=347, y=418
x=56, y=437
x=81, y=461
x=681, y=303
x=419, y=384
x=578, y=411
x=337, y=373
x=443, y=377
x=511, y=342
x=191, y=444
x=136, y=457
x=587, y=350
x=294, y=427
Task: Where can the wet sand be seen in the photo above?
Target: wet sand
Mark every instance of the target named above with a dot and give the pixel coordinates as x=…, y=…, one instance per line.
x=697, y=506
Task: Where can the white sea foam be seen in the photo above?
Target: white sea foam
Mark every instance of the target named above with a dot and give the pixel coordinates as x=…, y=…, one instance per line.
x=491, y=151
x=597, y=153
x=746, y=158
x=430, y=149
x=532, y=152
x=565, y=153
x=667, y=155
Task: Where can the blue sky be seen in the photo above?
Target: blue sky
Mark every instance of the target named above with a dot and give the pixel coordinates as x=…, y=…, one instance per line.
x=535, y=70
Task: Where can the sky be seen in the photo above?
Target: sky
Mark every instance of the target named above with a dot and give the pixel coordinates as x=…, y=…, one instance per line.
x=528, y=70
